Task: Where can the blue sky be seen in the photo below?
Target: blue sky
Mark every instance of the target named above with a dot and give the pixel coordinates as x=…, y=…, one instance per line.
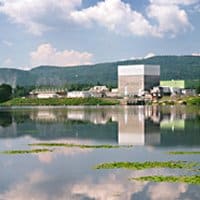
x=71, y=32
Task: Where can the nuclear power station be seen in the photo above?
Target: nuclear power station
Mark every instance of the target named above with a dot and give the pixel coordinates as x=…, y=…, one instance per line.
x=133, y=79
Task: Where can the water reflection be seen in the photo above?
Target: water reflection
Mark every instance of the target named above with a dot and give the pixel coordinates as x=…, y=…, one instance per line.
x=40, y=185
x=5, y=119
x=148, y=125
x=67, y=173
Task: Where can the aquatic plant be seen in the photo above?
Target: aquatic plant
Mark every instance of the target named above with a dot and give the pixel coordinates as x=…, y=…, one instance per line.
x=26, y=151
x=105, y=146
x=177, y=179
x=183, y=152
x=148, y=165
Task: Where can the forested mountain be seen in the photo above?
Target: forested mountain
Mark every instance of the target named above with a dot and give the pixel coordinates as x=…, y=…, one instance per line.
x=172, y=67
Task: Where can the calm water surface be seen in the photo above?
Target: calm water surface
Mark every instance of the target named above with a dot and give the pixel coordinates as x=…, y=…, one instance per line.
x=67, y=173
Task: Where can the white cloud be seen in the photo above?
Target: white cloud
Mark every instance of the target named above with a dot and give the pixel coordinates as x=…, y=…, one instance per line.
x=197, y=8
x=195, y=54
x=176, y=2
x=116, y=16
x=46, y=54
x=170, y=18
x=35, y=185
x=162, y=17
x=104, y=186
x=8, y=62
x=7, y=43
x=49, y=157
x=166, y=191
x=112, y=187
x=29, y=13
x=26, y=188
x=150, y=55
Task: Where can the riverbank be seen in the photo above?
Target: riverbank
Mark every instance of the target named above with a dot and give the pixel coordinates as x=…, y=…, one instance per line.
x=192, y=100
x=59, y=102
x=99, y=101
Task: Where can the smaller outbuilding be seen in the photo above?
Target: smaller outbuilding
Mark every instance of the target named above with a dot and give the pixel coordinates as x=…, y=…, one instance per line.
x=99, y=91
x=79, y=94
x=48, y=93
x=185, y=87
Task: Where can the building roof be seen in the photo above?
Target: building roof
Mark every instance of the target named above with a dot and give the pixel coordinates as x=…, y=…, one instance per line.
x=127, y=70
x=48, y=91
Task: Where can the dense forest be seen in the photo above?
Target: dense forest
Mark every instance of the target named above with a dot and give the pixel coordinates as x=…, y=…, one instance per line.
x=172, y=67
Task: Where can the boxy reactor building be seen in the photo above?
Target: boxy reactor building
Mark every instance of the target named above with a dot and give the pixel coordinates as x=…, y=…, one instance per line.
x=133, y=79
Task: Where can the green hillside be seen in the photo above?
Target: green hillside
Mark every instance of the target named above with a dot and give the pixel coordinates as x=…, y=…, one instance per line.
x=172, y=67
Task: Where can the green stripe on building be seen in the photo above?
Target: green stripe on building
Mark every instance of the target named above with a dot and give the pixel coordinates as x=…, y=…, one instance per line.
x=184, y=84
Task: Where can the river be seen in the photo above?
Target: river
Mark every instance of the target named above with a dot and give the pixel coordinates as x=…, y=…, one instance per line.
x=68, y=173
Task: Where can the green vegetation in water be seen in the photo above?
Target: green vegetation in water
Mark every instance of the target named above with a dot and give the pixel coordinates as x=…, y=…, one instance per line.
x=177, y=179
x=31, y=131
x=183, y=152
x=59, y=101
x=148, y=165
x=83, y=146
x=193, y=101
x=26, y=151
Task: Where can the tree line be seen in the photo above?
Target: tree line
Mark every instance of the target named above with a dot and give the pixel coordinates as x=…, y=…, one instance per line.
x=7, y=92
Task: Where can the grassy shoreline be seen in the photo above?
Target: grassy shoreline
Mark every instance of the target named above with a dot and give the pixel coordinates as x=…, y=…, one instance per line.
x=59, y=102
x=92, y=101
x=189, y=101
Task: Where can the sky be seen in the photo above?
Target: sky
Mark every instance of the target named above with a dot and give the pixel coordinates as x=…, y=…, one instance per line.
x=78, y=32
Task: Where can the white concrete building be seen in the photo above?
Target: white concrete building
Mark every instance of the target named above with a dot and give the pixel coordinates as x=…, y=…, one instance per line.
x=78, y=94
x=99, y=88
x=48, y=93
x=133, y=79
x=98, y=91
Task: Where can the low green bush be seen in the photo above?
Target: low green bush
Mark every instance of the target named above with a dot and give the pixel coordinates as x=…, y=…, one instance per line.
x=59, y=101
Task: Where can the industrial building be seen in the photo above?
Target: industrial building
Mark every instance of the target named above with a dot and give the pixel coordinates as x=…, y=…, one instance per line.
x=47, y=93
x=181, y=87
x=183, y=84
x=134, y=79
x=78, y=94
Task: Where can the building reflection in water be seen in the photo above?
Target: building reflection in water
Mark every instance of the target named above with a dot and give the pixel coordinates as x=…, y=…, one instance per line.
x=149, y=125
x=137, y=126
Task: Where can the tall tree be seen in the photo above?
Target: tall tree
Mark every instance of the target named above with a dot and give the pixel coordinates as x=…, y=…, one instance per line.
x=5, y=92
